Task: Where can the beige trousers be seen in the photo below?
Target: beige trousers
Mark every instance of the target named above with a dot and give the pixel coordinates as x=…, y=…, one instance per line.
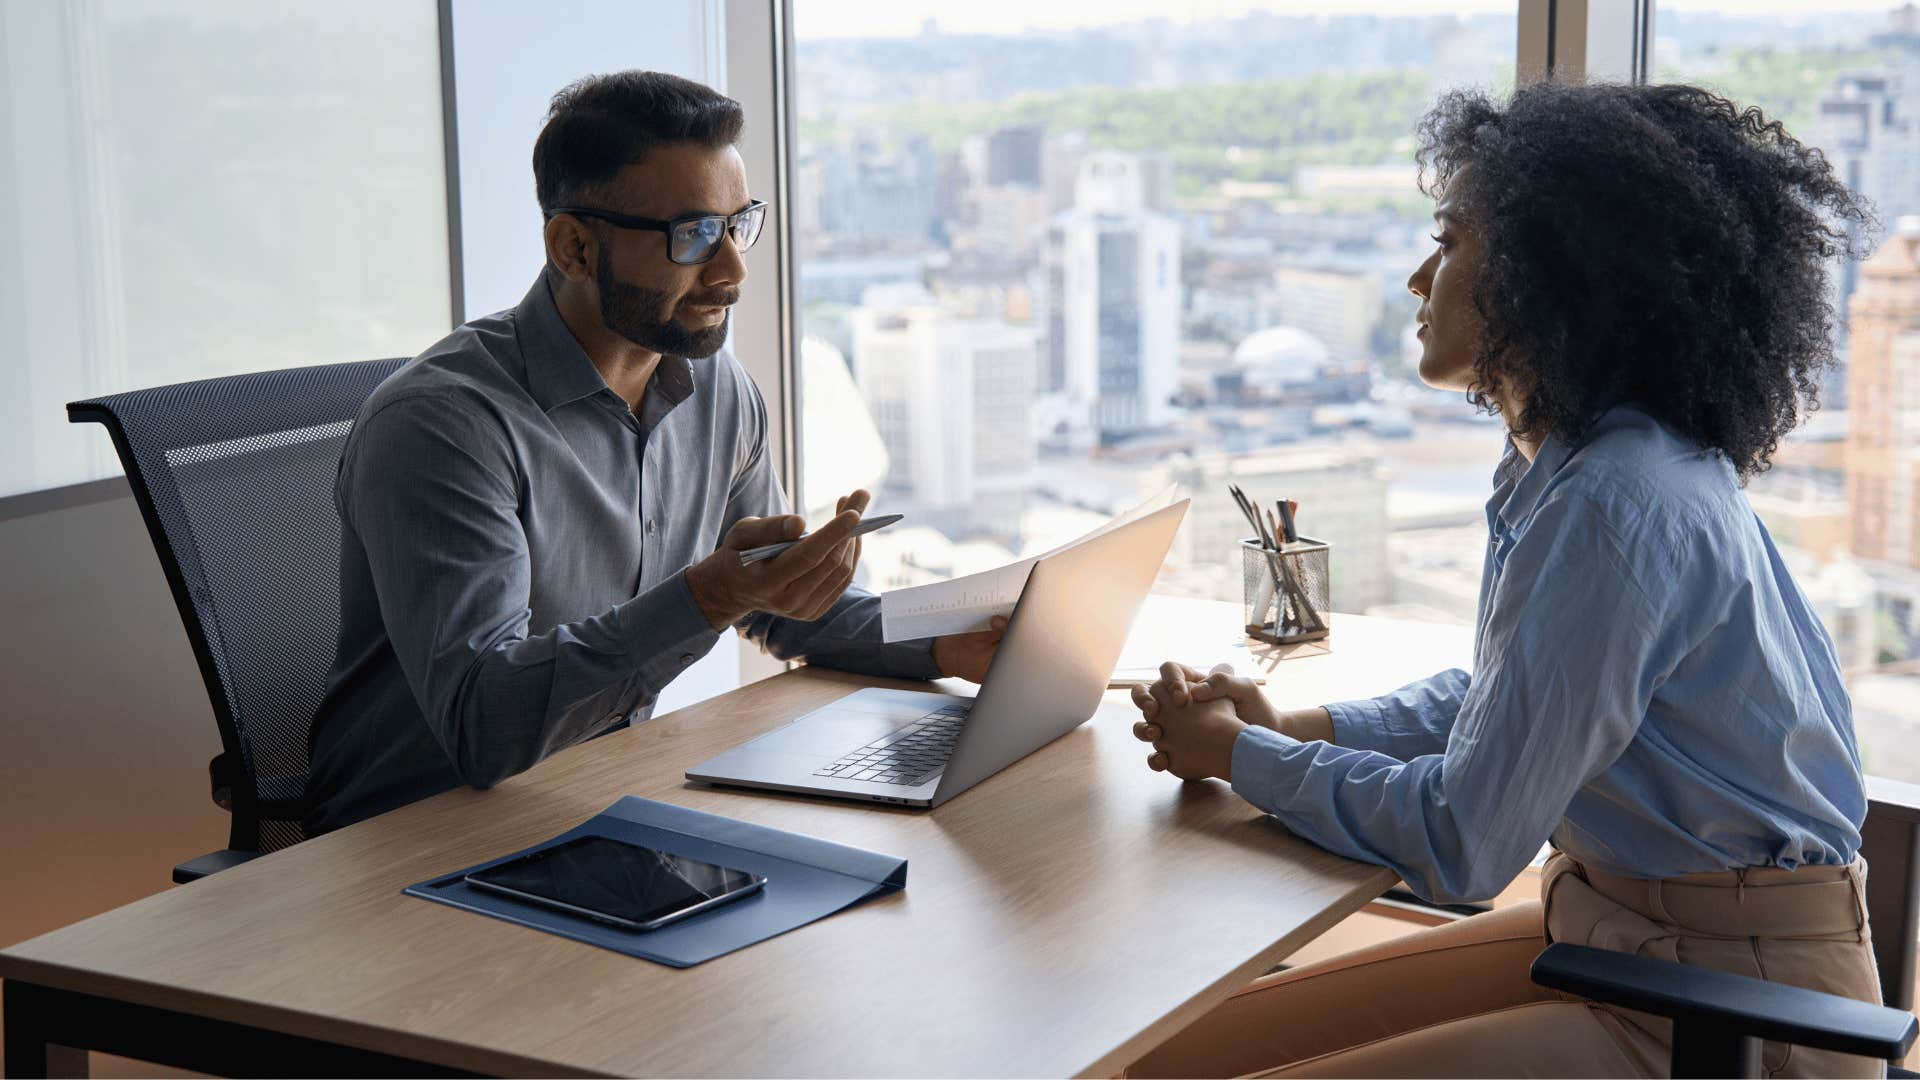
x=1456, y=1000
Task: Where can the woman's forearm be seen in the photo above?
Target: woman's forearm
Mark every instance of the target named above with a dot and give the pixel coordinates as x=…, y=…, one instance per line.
x=1307, y=725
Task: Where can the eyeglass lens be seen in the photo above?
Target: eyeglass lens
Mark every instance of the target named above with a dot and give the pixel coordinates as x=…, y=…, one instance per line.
x=695, y=241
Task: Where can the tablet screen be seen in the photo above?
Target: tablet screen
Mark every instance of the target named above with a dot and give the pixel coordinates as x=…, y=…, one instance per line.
x=622, y=881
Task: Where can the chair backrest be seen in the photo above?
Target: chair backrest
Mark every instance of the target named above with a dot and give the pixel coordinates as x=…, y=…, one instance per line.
x=1890, y=842
x=234, y=477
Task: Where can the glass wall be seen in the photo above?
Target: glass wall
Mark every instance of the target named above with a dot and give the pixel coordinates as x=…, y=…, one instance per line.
x=1054, y=258
x=191, y=188
x=1843, y=499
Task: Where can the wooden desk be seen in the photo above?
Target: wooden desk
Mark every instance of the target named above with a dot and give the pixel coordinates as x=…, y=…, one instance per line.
x=1060, y=918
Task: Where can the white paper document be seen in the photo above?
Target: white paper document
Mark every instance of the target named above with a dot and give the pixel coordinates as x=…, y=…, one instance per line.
x=965, y=605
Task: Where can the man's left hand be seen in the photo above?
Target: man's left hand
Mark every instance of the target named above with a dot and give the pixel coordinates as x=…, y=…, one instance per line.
x=967, y=656
x=1192, y=740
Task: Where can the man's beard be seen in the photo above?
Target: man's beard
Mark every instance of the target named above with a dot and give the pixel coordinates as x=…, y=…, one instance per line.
x=640, y=315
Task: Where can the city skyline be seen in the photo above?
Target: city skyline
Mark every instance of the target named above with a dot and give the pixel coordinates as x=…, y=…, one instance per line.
x=848, y=19
x=1042, y=204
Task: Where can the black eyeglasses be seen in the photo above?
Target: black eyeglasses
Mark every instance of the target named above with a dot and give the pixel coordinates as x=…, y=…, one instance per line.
x=691, y=240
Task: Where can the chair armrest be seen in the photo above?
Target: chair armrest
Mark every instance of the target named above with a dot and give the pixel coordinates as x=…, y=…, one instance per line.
x=1765, y=1010
x=211, y=863
x=1893, y=799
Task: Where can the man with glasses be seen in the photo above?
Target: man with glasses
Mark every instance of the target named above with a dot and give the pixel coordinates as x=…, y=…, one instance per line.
x=542, y=515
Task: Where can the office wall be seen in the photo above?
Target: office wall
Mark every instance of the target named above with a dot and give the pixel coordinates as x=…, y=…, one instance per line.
x=105, y=729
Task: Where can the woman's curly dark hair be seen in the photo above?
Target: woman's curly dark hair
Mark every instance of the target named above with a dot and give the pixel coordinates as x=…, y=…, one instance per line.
x=1653, y=245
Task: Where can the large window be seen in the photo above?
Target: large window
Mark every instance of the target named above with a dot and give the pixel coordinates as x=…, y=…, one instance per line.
x=1054, y=258
x=1843, y=500
x=191, y=188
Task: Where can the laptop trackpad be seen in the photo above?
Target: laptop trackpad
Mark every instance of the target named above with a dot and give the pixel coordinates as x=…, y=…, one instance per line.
x=830, y=732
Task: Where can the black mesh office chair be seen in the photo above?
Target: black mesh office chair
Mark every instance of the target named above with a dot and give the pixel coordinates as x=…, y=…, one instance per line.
x=1719, y=1019
x=234, y=477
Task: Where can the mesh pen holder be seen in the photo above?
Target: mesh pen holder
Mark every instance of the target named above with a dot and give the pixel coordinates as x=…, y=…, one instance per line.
x=1286, y=593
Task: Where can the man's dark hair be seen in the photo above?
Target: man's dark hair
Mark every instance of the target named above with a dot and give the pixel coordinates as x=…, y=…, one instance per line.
x=1652, y=245
x=602, y=123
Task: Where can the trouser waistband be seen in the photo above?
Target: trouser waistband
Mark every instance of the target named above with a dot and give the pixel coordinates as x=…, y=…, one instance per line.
x=1811, y=901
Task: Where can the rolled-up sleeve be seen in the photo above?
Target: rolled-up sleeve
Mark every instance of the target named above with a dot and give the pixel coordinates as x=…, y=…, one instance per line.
x=449, y=560
x=1556, y=696
x=848, y=636
x=1406, y=723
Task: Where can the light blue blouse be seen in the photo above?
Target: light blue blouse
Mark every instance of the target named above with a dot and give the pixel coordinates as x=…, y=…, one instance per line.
x=1650, y=689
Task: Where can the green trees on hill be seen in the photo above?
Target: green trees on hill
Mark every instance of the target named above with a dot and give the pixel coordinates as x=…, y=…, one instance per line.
x=1267, y=130
x=1785, y=85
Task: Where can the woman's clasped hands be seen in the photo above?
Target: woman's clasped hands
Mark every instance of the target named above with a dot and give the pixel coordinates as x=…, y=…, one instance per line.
x=1192, y=719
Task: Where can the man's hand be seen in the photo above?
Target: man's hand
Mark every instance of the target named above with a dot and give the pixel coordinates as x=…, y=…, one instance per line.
x=801, y=582
x=967, y=656
x=1193, y=740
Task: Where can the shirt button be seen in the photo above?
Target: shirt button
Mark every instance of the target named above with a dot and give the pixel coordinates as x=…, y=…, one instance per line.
x=649, y=527
x=686, y=658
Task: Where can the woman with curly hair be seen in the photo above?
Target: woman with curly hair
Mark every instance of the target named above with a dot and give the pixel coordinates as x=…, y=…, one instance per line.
x=1635, y=279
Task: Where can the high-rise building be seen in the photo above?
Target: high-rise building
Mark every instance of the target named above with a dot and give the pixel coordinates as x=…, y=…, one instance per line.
x=1883, y=429
x=952, y=399
x=1008, y=223
x=1111, y=282
x=1017, y=156
x=876, y=196
x=1060, y=160
x=1866, y=124
x=1337, y=307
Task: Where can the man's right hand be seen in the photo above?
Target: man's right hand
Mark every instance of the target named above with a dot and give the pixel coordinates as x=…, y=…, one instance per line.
x=801, y=582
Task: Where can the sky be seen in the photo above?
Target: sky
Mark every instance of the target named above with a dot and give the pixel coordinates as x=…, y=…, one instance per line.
x=903, y=18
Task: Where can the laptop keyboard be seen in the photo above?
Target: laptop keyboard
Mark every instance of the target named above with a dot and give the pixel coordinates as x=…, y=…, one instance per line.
x=906, y=755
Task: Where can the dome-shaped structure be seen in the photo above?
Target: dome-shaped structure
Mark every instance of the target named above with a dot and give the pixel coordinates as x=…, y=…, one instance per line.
x=1280, y=356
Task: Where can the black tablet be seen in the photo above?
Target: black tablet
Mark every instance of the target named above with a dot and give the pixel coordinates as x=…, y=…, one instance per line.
x=614, y=882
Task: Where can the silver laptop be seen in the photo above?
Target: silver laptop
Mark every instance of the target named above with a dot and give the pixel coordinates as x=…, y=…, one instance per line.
x=921, y=749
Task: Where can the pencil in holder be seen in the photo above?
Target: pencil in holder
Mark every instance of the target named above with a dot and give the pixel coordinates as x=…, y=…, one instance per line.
x=1286, y=593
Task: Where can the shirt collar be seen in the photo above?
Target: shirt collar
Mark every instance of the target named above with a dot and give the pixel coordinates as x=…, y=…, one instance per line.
x=672, y=384
x=672, y=380
x=1524, y=494
x=559, y=371
x=1527, y=491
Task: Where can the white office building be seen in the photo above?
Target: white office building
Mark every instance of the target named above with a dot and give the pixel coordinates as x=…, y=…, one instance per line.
x=952, y=399
x=1111, y=279
x=1336, y=306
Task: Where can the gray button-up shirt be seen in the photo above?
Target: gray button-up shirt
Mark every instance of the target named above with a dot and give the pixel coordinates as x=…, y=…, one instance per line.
x=512, y=544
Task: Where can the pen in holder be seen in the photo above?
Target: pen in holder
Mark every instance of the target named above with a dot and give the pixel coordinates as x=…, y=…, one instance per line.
x=1287, y=591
